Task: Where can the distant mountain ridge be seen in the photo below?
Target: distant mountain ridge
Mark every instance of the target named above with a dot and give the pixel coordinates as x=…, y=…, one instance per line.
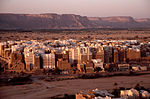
x=68, y=21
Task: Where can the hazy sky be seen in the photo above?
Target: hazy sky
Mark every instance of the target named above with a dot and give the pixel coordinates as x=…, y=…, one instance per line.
x=99, y=8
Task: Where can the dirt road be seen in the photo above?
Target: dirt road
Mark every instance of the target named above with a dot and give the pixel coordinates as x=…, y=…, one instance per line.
x=42, y=89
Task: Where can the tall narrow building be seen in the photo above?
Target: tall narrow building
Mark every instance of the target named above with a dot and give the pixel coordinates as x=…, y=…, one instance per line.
x=115, y=55
x=48, y=61
x=108, y=51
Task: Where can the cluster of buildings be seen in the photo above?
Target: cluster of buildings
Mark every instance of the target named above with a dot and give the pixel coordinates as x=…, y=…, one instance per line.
x=72, y=56
x=122, y=94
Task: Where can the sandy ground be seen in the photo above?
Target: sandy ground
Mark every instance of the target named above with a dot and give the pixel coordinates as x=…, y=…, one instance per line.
x=143, y=35
x=39, y=89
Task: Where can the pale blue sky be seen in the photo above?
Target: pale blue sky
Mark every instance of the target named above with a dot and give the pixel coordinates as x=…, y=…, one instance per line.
x=97, y=8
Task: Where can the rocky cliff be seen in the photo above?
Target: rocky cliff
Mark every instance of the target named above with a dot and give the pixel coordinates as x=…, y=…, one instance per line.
x=68, y=21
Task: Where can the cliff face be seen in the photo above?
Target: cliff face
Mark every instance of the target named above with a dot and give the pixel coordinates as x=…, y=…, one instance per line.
x=68, y=21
